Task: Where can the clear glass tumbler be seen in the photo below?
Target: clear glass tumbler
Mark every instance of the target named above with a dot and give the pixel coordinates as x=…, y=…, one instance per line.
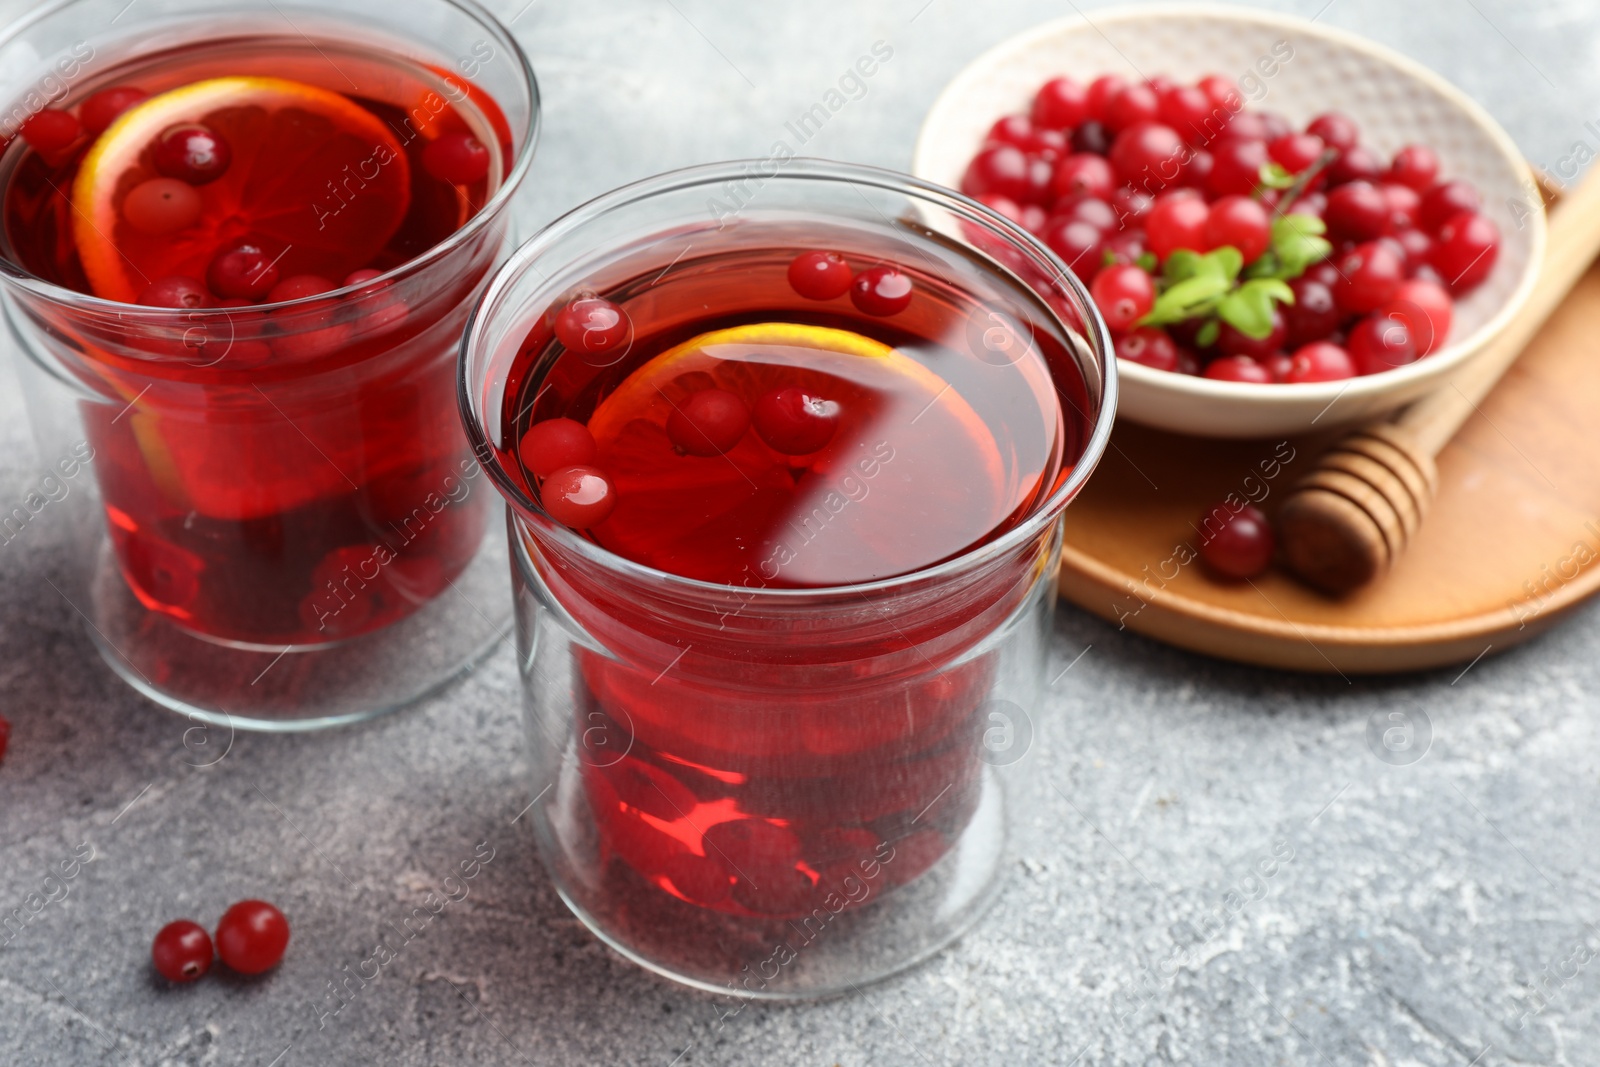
x=275, y=518
x=763, y=791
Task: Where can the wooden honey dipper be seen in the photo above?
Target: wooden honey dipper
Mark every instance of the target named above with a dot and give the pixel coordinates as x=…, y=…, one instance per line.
x=1350, y=518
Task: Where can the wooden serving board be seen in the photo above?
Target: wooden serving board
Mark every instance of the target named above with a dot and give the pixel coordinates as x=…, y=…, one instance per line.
x=1511, y=543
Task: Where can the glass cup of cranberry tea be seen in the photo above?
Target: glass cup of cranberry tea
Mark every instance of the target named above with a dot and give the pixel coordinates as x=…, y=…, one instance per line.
x=238, y=252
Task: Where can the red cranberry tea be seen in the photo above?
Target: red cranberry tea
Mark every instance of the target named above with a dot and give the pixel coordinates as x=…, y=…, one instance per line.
x=1308, y=257
x=282, y=476
x=781, y=417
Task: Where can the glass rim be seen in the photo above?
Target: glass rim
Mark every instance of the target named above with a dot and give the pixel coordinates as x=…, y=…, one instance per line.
x=799, y=169
x=15, y=274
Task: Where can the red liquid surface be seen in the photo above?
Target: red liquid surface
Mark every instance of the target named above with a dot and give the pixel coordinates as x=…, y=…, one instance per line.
x=278, y=477
x=760, y=780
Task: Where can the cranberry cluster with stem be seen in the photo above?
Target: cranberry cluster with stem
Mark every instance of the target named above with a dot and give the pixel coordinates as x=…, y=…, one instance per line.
x=251, y=938
x=1121, y=178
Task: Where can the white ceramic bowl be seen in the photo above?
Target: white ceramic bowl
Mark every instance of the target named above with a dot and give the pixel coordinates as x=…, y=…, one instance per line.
x=1393, y=99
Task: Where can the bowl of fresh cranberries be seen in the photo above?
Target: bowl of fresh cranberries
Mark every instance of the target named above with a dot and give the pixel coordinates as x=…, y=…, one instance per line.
x=1285, y=226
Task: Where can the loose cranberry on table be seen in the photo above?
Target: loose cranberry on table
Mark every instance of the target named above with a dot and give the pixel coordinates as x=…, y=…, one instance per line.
x=251, y=936
x=182, y=951
x=1236, y=544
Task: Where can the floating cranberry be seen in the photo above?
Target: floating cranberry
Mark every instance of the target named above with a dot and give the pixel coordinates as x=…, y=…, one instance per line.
x=1468, y=246
x=457, y=158
x=161, y=206
x=1239, y=221
x=50, y=130
x=1443, y=202
x=1415, y=166
x=579, y=497
x=1237, y=369
x=999, y=168
x=881, y=291
x=1369, y=276
x=1060, y=104
x=242, y=270
x=1083, y=174
x=1319, y=361
x=299, y=287
x=708, y=422
x=191, y=153
x=177, y=291
x=1100, y=92
x=1336, y=130
x=1426, y=309
x=555, y=443
x=181, y=951
x=1148, y=156
x=793, y=422
x=1295, y=152
x=1381, y=342
x=1357, y=210
x=594, y=326
x=1124, y=294
x=1135, y=104
x=251, y=936
x=361, y=277
x=1091, y=138
x=1355, y=163
x=1313, y=315
x=103, y=108
x=819, y=275
x=1236, y=544
x=1178, y=220
x=1150, y=346
x=1233, y=342
x=1236, y=167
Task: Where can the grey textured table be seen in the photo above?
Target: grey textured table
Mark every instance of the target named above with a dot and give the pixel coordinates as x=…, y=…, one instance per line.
x=1434, y=914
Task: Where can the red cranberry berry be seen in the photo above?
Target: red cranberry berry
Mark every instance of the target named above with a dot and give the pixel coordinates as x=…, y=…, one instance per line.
x=50, y=130
x=161, y=206
x=1248, y=126
x=1148, y=156
x=1135, y=104
x=1101, y=90
x=1096, y=212
x=1178, y=220
x=1000, y=205
x=1237, y=369
x=1233, y=342
x=1369, y=277
x=1083, y=174
x=1415, y=166
x=103, y=108
x=362, y=277
x=5, y=735
x=1313, y=315
x=1197, y=172
x=242, y=270
x=793, y=422
x=1336, y=130
x=1274, y=126
x=1468, y=246
x=1124, y=246
x=1236, y=544
x=553, y=444
x=1426, y=309
x=1319, y=361
x=1223, y=92
x=457, y=159
x=1124, y=294
x=1443, y=202
x=881, y=291
x=1150, y=346
x=1239, y=221
x=1236, y=167
x=251, y=936
x=594, y=326
x=1091, y=137
x=1403, y=203
x=1295, y=152
x=1417, y=246
x=1357, y=210
x=1131, y=206
x=579, y=496
x=1355, y=163
x=1013, y=130
x=1060, y=104
x=1077, y=243
x=1381, y=342
x=299, y=287
x=708, y=423
x=821, y=275
x=181, y=951
x=999, y=168
x=191, y=153
x=1187, y=109
x=176, y=291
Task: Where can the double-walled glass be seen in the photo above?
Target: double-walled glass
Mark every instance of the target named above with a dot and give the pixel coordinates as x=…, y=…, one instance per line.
x=779, y=792
x=275, y=517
